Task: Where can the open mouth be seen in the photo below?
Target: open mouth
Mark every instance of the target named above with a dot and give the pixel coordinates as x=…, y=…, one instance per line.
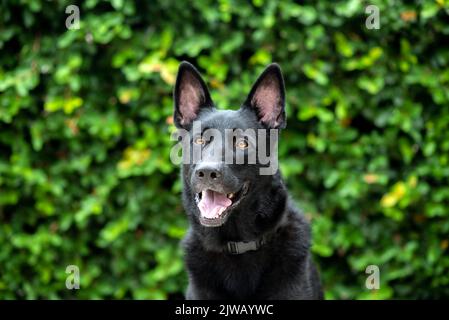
x=215, y=206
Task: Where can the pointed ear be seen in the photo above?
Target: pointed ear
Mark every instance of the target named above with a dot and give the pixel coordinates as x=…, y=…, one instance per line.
x=267, y=98
x=190, y=95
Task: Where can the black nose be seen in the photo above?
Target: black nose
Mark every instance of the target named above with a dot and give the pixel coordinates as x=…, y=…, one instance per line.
x=208, y=173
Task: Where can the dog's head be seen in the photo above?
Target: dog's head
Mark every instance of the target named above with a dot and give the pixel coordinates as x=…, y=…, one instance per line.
x=227, y=150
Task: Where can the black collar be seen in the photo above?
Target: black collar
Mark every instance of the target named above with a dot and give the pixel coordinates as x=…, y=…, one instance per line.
x=238, y=247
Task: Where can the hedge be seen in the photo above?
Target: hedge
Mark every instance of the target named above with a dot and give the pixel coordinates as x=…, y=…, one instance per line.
x=86, y=117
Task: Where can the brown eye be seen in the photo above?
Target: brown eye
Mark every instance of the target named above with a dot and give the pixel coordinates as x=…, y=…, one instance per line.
x=241, y=144
x=200, y=140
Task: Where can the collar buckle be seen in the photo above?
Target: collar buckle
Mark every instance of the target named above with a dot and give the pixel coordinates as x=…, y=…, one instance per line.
x=243, y=246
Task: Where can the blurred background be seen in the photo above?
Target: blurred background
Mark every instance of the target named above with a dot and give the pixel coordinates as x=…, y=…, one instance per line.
x=86, y=117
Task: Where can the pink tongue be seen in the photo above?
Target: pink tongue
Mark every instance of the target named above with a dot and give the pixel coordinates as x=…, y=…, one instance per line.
x=213, y=203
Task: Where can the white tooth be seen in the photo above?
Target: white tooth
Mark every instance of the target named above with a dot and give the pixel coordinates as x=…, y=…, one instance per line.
x=231, y=195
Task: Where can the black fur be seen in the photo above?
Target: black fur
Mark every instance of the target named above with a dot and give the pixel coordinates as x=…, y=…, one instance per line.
x=281, y=268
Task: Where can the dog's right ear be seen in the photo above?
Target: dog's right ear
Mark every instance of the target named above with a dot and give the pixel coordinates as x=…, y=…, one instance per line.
x=267, y=98
x=190, y=95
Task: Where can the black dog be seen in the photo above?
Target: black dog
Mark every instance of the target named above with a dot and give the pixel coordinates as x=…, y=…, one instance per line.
x=246, y=240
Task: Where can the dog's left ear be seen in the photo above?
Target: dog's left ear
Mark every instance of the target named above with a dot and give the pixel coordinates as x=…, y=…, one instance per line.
x=190, y=95
x=267, y=98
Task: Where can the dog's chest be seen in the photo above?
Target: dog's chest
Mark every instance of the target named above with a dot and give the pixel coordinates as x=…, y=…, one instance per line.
x=240, y=275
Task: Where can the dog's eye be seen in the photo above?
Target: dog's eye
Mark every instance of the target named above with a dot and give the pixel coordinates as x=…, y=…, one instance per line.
x=241, y=144
x=200, y=140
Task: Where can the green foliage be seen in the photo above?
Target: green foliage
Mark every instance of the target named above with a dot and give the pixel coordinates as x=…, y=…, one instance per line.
x=85, y=122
